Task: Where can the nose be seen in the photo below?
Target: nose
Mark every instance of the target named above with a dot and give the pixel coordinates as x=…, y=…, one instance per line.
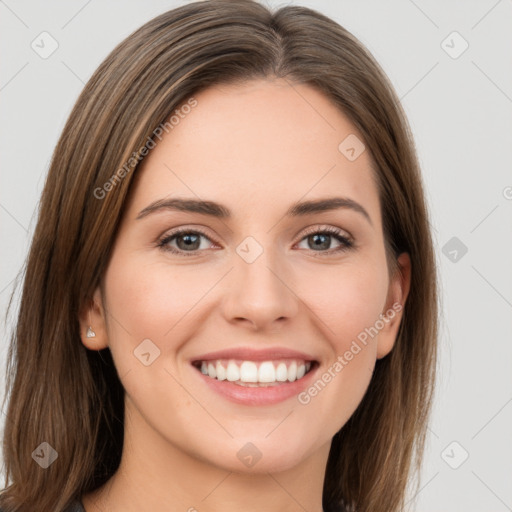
x=260, y=294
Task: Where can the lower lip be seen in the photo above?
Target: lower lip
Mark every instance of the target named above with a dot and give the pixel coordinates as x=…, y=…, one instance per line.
x=258, y=395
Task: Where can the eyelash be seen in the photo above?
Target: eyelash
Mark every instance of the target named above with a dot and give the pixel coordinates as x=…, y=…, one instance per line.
x=346, y=243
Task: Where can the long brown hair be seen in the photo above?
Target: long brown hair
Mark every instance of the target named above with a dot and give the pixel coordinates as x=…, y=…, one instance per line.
x=70, y=397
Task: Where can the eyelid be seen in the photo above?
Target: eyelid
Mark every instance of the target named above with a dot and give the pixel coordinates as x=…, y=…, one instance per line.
x=347, y=241
x=190, y=228
x=314, y=228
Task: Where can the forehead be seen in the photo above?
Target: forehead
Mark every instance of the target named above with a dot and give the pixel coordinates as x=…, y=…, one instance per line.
x=261, y=142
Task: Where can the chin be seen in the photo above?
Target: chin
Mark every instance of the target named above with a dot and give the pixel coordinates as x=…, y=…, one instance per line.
x=257, y=455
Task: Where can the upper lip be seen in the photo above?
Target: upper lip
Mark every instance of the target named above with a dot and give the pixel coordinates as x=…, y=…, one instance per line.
x=250, y=354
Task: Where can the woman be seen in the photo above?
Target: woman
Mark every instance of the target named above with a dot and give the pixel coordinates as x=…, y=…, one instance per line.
x=230, y=299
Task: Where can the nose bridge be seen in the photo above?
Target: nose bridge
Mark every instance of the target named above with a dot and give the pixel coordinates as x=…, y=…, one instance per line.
x=259, y=291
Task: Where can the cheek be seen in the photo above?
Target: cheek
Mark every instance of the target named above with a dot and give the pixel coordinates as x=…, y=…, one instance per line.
x=349, y=308
x=150, y=300
x=347, y=300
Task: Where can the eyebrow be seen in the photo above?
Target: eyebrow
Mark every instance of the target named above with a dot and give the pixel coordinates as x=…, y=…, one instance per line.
x=220, y=211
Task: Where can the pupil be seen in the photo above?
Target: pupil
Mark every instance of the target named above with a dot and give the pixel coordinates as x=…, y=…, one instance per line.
x=324, y=245
x=187, y=240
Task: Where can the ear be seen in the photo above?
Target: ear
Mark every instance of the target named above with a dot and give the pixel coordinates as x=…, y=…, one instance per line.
x=93, y=316
x=395, y=303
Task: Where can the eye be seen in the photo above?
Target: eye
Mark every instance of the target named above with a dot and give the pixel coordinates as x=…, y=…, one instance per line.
x=187, y=240
x=321, y=239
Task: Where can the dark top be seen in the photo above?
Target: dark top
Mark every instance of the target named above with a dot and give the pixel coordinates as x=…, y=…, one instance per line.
x=76, y=506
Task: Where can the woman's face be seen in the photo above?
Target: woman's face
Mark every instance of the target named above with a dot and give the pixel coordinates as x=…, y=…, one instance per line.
x=258, y=294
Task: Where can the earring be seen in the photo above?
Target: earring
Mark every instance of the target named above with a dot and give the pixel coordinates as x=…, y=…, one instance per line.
x=90, y=333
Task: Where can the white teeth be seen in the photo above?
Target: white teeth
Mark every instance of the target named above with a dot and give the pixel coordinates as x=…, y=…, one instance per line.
x=281, y=373
x=267, y=372
x=248, y=372
x=251, y=372
x=292, y=371
x=232, y=372
x=221, y=372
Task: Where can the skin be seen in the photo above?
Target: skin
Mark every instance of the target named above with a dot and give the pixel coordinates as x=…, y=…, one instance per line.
x=255, y=148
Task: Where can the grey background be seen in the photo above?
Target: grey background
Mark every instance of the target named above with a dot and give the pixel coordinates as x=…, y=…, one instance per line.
x=460, y=113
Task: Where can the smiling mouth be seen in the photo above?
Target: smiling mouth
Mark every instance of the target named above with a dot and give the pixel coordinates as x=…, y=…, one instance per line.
x=255, y=373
